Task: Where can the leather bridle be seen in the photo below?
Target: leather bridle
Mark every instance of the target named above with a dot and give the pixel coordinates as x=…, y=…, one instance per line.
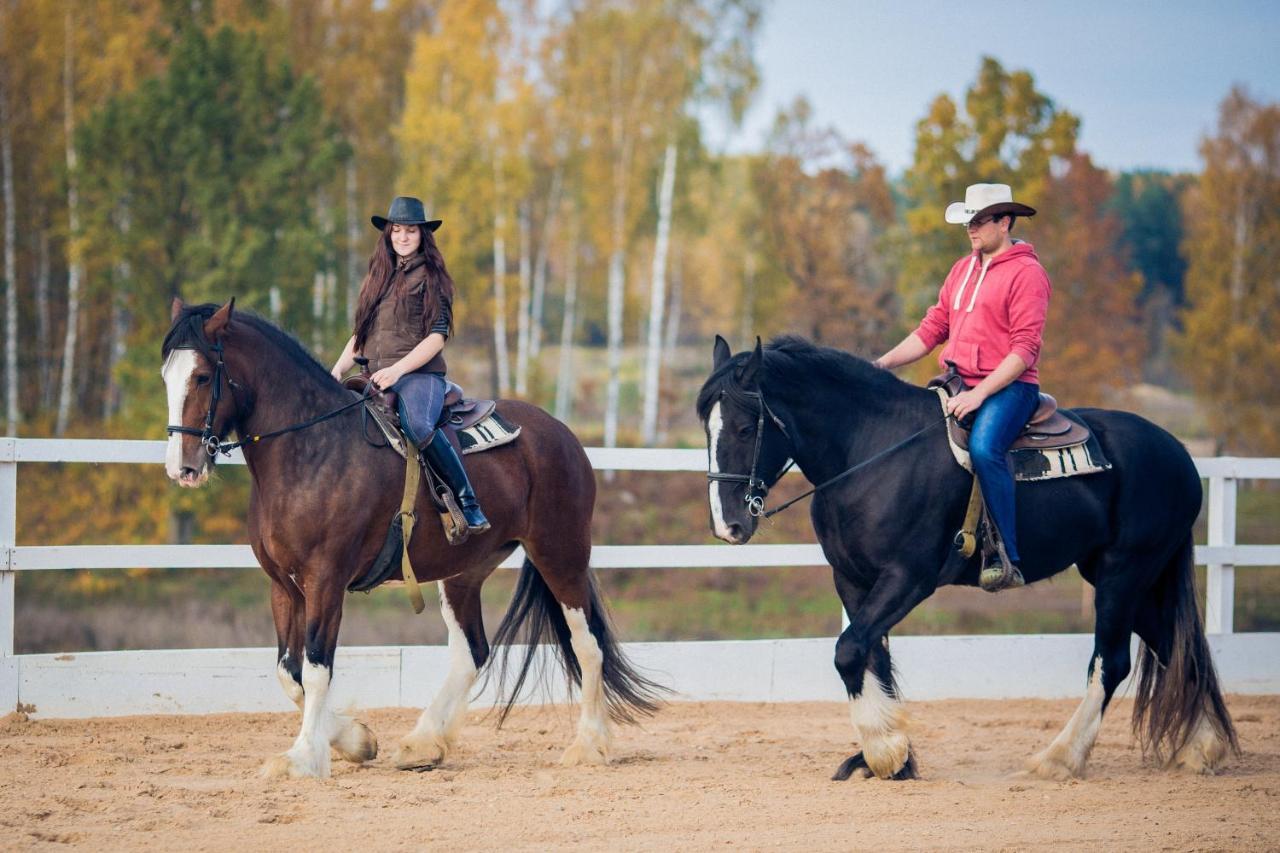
x=757, y=488
x=212, y=441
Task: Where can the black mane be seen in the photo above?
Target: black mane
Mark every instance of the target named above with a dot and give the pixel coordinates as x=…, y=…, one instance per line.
x=789, y=358
x=188, y=331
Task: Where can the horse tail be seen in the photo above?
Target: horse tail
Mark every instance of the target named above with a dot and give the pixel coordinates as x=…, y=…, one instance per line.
x=1177, y=686
x=536, y=617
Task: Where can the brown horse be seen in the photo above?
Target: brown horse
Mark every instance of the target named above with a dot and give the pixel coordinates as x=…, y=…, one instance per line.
x=321, y=501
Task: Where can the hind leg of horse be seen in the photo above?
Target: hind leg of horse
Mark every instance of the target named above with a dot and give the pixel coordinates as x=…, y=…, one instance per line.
x=321, y=727
x=862, y=659
x=1114, y=604
x=436, y=732
x=1206, y=747
x=564, y=568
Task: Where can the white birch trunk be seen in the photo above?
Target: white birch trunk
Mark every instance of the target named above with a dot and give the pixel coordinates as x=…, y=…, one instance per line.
x=500, y=285
x=12, y=416
x=73, y=237
x=672, y=331
x=564, y=377
x=657, y=299
x=119, y=328
x=522, y=310
x=354, y=274
x=44, y=357
x=540, y=269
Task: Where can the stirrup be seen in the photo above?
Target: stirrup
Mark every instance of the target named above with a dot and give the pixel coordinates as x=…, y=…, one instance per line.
x=1000, y=575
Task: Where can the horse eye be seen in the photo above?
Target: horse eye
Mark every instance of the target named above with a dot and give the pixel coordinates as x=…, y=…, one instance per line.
x=202, y=379
x=745, y=432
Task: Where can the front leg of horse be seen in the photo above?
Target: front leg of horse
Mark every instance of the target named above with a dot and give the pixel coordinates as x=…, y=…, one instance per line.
x=436, y=732
x=321, y=727
x=878, y=716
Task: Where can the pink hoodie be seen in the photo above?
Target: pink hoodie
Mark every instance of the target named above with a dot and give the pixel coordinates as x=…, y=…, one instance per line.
x=987, y=310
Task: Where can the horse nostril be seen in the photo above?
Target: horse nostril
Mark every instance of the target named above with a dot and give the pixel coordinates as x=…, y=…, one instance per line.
x=735, y=531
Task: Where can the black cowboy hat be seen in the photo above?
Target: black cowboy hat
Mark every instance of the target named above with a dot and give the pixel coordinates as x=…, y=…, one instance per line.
x=405, y=210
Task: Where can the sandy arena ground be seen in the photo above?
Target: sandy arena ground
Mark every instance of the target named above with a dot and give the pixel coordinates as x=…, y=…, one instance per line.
x=698, y=776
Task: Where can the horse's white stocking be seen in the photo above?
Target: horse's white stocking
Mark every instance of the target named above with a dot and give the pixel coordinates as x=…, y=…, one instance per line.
x=437, y=728
x=352, y=739
x=880, y=721
x=591, y=746
x=309, y=755
x=1065, y=758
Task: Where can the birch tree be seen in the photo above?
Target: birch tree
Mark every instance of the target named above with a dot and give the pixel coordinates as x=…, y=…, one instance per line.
x=657, y=298
x=74, y=262
x=13, y=415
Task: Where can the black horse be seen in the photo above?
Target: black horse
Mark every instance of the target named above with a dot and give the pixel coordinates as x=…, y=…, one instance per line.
x=887, y=532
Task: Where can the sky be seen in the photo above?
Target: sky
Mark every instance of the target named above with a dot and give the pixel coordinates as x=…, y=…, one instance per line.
x=1144, y=77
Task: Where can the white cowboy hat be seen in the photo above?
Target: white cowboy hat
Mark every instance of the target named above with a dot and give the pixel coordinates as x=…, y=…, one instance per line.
x=986, y=200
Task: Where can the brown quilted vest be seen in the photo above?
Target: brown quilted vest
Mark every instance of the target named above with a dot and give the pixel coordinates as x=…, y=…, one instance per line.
x=397, y=329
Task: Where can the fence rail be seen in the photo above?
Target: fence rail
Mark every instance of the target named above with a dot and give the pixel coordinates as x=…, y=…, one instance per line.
x=1221, y=554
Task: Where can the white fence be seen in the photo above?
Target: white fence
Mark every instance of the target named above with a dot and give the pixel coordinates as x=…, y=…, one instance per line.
x=201, y=681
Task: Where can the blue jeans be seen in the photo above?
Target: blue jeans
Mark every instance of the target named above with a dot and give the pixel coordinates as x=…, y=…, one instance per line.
x=998, y=422
x=421, y=399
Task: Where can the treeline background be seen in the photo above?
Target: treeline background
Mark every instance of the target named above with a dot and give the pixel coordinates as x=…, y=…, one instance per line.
x=597, y=235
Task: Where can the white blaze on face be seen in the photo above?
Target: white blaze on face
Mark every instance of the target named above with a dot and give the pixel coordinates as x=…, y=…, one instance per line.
x=715, y=424
x=177, y=371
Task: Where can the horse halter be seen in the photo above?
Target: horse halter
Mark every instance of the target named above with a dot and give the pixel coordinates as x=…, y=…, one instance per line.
x=212, y=441
x=757, y=489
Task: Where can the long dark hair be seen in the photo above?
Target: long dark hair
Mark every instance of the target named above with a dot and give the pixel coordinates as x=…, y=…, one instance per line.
x=377, y=282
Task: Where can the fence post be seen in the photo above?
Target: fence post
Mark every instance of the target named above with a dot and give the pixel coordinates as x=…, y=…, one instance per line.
x=8, y=540
x=1220, y=581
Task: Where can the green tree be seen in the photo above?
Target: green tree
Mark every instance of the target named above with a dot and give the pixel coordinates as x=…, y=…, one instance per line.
x=1229, y=346
x=215, y=165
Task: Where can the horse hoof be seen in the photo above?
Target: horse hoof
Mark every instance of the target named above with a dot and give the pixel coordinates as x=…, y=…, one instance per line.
x=275, y=767
x=420, y=753
x=289, y=765
x=580, y=752
x=1051, y=765
x=1203, y=752
x=357, y=744
x=853, y=764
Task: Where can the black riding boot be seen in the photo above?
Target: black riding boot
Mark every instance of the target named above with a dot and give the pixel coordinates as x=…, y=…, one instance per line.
x=444, y=459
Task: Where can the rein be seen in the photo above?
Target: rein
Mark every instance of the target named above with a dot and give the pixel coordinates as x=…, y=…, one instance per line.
x=213, y=443
x=755, y=502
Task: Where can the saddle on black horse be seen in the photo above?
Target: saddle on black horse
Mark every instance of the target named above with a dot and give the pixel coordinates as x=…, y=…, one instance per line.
x=1054, y=443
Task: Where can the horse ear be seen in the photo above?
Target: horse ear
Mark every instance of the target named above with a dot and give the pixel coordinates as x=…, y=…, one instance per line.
x=216, y=326
x=720, y=353
x=175, y=308
x=749, y=373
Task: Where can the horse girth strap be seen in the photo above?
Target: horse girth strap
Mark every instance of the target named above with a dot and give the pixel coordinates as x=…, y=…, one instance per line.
x=967, y=538
x=412, y=472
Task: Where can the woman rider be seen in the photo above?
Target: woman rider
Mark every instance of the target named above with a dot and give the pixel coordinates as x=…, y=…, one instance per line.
x=403, y=318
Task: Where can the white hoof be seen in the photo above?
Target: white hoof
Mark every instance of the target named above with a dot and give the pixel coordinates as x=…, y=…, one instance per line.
x=356, y=744
x=1054, y=764
x=1203, y=752
x=297, y=763
x=585, y=751
x=421, y=752
x=887, y=754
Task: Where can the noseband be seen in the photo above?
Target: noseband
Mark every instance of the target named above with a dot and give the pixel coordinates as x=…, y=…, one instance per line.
x=757, y=489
